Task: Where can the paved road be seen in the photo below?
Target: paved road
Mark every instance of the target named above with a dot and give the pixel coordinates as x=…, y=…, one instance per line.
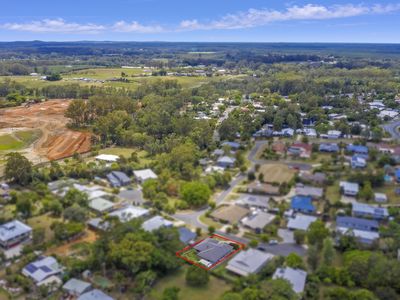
x=392, y=129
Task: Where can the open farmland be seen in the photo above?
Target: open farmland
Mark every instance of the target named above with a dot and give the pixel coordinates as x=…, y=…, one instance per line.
x=55, y=141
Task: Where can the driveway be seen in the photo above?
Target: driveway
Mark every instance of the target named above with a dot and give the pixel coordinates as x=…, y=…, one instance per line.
x=287, y=236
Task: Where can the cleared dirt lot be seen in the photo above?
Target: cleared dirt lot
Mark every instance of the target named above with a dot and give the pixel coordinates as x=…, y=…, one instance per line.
x=56, y=140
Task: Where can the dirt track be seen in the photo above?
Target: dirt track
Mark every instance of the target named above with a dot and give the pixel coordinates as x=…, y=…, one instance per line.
x=56, y=141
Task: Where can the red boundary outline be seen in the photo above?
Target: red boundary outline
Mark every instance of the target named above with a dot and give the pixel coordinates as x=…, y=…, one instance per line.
x=178, y=253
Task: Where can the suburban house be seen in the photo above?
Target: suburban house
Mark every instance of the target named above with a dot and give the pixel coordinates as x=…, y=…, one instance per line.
x=329, y=148
x=296, y=277
x=212, y=250
x=42, y=269
x=261, y=188
x=300, y=222
x=232, y=145
x=14, y=233
x=258, y=220
x=186, y=236
x=358, y=162
x=279, y=147
x=357, y=223
x=334, y=134
x=302, y=204
x=129, y=213
x=143, y=175
x=98, y=224
x=218, y=152
x=248, y=262
x=101, y=205
x=226, y=162
x=300, y=149
x=118, y=179
x=313, y=192
x=133, y=196
x=155, y=223
x=380, y=197
x=357, y=149
x=349, y=188
x=316, y=178
x=95, y=295
x=75, y=287
x=369, y=211
x=256, y=201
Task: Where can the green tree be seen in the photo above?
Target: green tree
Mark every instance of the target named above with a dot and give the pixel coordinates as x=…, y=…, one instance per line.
x=24, y=206
x=317, y=232
x=328, y=252
x=196, y=276
x=171, y=293
x=294, y=261
x=18, y=168
x=195, y=193
x=299, y=236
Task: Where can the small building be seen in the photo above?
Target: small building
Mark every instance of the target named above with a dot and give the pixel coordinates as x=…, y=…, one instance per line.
x=248, y=262
x=302, y=204
x=258, y=220
x=98, y=224
x=357, y=149
x=231, y=214
x=42, y=269
x=296, y=277
x=357, y=223
x=369, y=211
x=313, y=192
x=226, y=162
x=118, y=179
x=109, y=158
x=212, y=250
x=129, y=213
x=232, y=145
x=218, y=152
x=300, y=222
x=262, y=188
x=349, y=188
x=155, y=223
x=143, y=175
x=133, y=196
x=95, y=295
x=358, y=162
x=101, y=205
x=316, y=178
x=260, y=202
x=329, y=148
x=334, y=134
x=14, y=233
x=75, y=287
x=380, y=197
x=186, y=236
x=300, y=149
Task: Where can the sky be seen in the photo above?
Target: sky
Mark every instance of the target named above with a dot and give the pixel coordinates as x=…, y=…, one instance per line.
x=348, y=21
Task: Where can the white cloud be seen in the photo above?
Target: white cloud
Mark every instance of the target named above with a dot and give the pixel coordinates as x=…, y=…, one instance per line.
x=123, y=26
x=54, y=25
x=261, y=17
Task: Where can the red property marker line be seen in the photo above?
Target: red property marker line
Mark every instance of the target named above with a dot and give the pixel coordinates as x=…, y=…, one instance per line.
x=178, y=253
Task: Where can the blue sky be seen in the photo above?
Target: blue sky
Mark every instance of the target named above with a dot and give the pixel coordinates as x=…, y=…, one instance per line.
x=201, y=20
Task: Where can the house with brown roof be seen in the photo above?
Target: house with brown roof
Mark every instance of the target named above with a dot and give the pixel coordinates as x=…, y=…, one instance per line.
x=231, y=214
x=262, y=188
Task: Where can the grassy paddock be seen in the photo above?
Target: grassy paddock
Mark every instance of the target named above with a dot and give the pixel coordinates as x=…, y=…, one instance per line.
x=276, y=173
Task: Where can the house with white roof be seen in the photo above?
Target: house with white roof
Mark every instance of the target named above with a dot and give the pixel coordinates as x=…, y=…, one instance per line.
x=257, y=220
x=42, y=269
x=75, y=287
x=155, y=223
x=296, y=277
x=369, y=211
x=14, y=233
x=349, y=188
x=109, y=158
x=334, y=134
x=101, y=205
x=95, y=295
x=248, y=262
x=129, y=213
x=300, y=222
x=143, y=175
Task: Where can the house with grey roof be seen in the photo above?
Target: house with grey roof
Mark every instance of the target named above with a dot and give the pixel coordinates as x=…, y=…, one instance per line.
x=186, y=236
x=75, y=287
x=143, y=175
x=118, y=179
x=369, y=211
x=14, y=233
x=226, y=162
x=258, y=220
x=313, y=192
x=42, y=269
x=296, y=277
x=248, y=262
x=133, y=196
x=155, y=223
x=95, y=295
x=256, y=201
x=101, y=205
x=98, y=224
x=349, y=188
x=212, y=250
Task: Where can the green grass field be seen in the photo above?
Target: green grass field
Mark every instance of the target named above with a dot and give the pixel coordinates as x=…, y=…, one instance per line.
x=213, y=291
x=8, y=142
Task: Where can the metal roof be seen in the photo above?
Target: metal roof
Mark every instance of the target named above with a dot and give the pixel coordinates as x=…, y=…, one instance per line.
x=13, y=229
